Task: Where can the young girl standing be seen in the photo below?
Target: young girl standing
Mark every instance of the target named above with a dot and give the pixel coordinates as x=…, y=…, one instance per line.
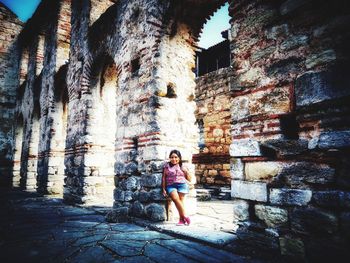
x=175, y=182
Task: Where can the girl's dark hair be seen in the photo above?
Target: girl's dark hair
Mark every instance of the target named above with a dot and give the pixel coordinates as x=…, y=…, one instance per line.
x=178, y=154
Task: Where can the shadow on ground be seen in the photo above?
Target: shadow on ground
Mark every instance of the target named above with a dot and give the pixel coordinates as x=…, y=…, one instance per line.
x=36, y=228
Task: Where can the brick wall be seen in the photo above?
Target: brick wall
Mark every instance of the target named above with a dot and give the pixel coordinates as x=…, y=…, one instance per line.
x=213, y=114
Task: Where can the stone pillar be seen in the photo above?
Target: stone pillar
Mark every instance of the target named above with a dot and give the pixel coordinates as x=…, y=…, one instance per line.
x=10, y=27
x=53, y=100
x=289, y=152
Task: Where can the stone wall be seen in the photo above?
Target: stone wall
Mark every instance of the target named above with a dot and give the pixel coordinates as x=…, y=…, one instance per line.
x=290, y=132
x=213, y=114
x=10, y=27
x=98, y=126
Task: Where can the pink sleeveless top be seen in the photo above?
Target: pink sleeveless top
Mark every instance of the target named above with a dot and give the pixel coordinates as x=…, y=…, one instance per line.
x=174, y=174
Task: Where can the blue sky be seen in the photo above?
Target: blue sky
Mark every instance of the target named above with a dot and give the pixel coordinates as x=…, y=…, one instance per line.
x=211, y=33
x=210, y=36
x=22, y=8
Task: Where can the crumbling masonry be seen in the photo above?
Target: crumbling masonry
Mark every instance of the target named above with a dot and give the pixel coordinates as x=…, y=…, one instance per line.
x=95, y=93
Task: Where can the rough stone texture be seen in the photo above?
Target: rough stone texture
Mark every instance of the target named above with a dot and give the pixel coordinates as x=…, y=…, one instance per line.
x=262, y=170
x=244, y=147
x=301, y=174
x=272, y=216
x=290, y=197
x=315, y=87
x=237, y=169
x=240, y=210
x=293, y=247
x=312, y=220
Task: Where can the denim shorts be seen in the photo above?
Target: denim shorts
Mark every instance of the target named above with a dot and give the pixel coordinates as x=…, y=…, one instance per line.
x=180, y=187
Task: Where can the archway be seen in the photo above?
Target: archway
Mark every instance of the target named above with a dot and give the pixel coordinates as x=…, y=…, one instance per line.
x=101, y=128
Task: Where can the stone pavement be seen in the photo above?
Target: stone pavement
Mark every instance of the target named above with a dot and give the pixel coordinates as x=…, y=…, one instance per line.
x=44, y=229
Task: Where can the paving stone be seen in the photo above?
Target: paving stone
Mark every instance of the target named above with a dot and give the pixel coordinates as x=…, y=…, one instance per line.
x=88, y=240
x=92, y=254
x=139, y=236
x=124, y=227
x=137, y=259
x=199, y=252
x=161, y=254
x=125, y=248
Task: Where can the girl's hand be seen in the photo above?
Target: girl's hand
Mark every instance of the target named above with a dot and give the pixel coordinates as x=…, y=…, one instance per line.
x=164, y=193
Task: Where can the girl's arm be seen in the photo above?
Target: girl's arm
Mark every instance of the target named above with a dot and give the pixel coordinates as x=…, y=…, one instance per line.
x=164, y=183
x=187, y=175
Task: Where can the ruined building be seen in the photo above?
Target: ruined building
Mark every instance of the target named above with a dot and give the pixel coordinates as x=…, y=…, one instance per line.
x=95, y=93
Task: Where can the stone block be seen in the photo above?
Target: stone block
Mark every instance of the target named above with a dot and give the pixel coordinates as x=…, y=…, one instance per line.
x=292, y=246
x=119, y=195
x=334, y=139
x=274, y=101
x=240, y=210
x=118, y=215
x=157, y=195
x=277, y=31
x=311, y=220
x=315, y=87
x=262, y=170
x=304, y=173
x=272, y=216
x=119, y=168
x=290, y=196
x=156, y=212
x=144, y=196
x=128, y=196
x=131, y=183
x=237, y=169
x=137, y=209
x=327, y=198
x=249, y=190
x=320, y=58
x=152, y=180
x=244, y=147
x=263, y=53
x=294, y=42
x=285, y=147
x=131, y=168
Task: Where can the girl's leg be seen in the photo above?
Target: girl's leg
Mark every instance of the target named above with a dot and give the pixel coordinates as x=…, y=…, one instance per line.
x=175, y=196
x=182, y=199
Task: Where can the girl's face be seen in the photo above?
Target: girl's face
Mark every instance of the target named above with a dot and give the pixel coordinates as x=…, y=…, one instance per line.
x=174, y=159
